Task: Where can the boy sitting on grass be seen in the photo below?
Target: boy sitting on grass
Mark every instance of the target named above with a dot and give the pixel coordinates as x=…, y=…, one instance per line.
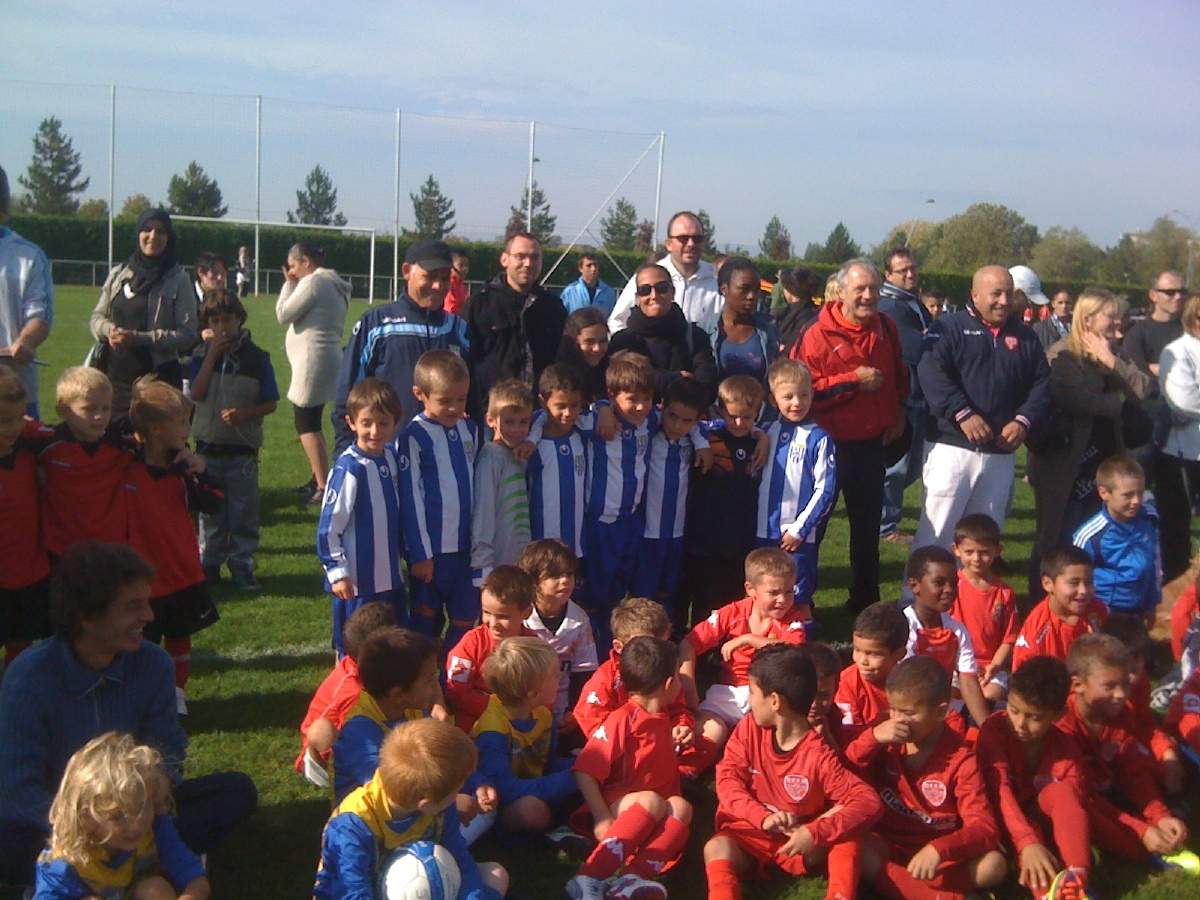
x=879, y=642
x=629, y=779
x=1035, y=780
x=1069, y=611
x=824, y=715
x=410, y=797
x=783, y=795
x=985, y=605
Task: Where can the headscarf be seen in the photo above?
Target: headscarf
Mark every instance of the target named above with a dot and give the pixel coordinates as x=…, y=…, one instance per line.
x=149, y=270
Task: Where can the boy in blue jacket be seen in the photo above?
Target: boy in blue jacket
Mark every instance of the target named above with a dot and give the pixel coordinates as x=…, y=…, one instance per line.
x=1122, y=540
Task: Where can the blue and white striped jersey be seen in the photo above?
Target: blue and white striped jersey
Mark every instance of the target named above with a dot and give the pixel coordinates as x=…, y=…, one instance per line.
x=618, y=470
x=799, y=485
x=668, y=471
x=557, y=478
x=360, y=534
x=440, y=464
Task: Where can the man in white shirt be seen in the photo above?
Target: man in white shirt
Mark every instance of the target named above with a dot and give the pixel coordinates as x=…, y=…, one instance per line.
x=26, y=300
x=695, y=280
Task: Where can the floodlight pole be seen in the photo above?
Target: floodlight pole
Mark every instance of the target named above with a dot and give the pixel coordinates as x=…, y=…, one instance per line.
x=662, y=140
x=529, y=181
x=396, y=231
x=257, y=185
x=112, y=164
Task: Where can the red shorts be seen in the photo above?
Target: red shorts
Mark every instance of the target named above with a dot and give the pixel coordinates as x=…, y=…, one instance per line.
x=762, y=846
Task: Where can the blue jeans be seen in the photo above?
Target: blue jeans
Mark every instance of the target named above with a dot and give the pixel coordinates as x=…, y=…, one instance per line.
x=901, y=475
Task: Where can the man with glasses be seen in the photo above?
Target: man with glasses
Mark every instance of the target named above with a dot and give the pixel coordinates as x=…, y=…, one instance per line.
x=1145, y=341
x=695, y=280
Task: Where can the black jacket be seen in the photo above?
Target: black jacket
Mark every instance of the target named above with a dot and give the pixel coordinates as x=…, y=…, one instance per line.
x=673, y=345
x=792, y=321
x=501, y=335
x=967, y=371
x=912, y=321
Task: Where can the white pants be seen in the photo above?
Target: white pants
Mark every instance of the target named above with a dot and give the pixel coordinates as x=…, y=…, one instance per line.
x=728, y=702
x=959, y=482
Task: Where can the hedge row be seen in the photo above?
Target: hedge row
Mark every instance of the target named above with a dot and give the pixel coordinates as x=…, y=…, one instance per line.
x=73, y=237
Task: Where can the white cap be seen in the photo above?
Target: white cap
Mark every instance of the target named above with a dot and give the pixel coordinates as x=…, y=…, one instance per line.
x=1027, y=282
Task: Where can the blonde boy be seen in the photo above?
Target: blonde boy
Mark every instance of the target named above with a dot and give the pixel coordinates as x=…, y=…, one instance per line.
x=500, y=514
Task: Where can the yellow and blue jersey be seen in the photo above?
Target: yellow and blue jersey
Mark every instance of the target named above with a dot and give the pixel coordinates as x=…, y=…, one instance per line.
x=109, y=874
x=362, y=832
x=355, y=755
x=515, y=755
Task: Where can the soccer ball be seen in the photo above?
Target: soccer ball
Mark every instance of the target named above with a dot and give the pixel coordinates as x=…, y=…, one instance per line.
x=422, y=870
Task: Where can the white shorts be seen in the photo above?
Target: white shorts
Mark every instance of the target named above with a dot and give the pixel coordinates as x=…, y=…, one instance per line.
x=728, y=702
x=1001, y=678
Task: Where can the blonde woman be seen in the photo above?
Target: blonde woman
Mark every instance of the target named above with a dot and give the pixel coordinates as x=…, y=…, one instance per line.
x=1178, y=465
x=1089, y=387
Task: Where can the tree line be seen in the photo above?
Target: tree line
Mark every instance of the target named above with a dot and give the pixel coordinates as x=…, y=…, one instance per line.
x=982, y=233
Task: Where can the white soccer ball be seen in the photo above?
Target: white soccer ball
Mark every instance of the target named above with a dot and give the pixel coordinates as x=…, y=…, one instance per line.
x=422, y=870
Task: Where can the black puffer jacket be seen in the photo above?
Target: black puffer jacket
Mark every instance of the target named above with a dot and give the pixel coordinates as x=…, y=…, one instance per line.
x=673, y=345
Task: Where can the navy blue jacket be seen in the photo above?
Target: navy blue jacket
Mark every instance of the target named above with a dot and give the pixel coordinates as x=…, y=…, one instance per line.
x=966, y=371
x=912, y=321
x=386, y=343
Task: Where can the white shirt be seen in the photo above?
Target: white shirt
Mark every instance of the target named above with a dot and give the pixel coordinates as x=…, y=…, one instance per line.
x=574, y=644
x=697, y=295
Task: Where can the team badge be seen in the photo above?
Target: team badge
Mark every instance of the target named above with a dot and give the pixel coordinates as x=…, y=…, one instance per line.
x=934, y=791
x=1191, y=703
x=331, y=495
x=796, y=787
x=1010, y=341
x=452, y=436
x=384, y=473
x=739, y=453
x=565, y=450
x=402, y=461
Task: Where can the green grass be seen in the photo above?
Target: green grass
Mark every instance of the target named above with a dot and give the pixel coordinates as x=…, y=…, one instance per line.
x=254, y=671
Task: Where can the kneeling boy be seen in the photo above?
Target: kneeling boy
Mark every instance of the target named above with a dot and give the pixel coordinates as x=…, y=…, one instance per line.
x=778, y=785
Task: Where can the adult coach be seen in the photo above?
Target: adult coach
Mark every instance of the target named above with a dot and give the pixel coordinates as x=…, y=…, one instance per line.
x=514, y=325
x=97, y=675
x=860, y=381
x=696, y=289
x=389, y=339
x=26, y=300
x=899, y=301
x=986, y=381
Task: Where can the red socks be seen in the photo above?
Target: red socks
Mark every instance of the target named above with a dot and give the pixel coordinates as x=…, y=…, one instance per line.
x=723, y=881
x=180, y=650
x=627, y=834
x=843, y=863
x=660, y=850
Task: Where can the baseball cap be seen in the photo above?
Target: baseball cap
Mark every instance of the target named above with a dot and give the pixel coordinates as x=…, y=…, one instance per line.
x=1027, y=282
x=429, y=255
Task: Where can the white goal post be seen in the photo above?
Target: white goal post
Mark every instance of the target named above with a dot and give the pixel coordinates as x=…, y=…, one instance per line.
x=257, y=223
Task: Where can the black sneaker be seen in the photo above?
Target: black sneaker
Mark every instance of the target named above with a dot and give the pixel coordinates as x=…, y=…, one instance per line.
x=306, y=488
x=246, y=582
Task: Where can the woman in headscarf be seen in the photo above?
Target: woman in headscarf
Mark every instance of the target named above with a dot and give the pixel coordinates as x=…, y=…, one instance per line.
x=146, y=316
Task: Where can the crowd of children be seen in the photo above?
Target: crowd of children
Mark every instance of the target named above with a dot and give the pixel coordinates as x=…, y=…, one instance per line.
x=566, y=627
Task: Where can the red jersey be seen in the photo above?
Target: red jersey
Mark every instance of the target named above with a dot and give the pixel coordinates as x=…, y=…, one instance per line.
x=82, y=495
x=334, y=698
x=1013, y=784
x=1183, y=716
x=1182, y=614
x=1112, y=756
x=943, y=803
x=466, y=691
x=990, y=616
x=603, y=694
x=948, y=644
x=1045, y=634
x=631, y=751
x=755, y=779
x=23, y=558
x=733, y=620
x=1139, y=719
x=159, y=504
x=862, y=703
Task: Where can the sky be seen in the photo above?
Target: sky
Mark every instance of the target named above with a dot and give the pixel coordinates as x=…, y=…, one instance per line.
x=1076, y=114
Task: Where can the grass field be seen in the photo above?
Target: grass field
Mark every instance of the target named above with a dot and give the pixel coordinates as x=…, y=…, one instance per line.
x=254, y=672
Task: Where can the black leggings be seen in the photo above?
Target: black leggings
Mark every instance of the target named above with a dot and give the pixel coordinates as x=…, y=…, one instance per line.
x=307, y=418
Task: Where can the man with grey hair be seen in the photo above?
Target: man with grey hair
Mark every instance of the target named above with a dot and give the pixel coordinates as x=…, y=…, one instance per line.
x=986, y=381
x=859, y=385
x=26, y=300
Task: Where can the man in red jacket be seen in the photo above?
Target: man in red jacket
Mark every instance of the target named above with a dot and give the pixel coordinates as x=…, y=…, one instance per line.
x=860, y=381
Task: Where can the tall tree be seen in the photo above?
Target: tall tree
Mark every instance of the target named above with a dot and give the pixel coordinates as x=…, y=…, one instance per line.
x=317, y=203
x=1066, y=253
x=710, y=230
x=776, y=242
x=195, y=194
x=52, y=183
x=918, y=235
x=839, y=246
x=1165, y=246
x=643, y=240
x=96, y=208
x=134, y=206
x=983, y=234
x=814, y=252
x=618, y=228
x=433, y=211
x=1124, y=262
x=543, y=221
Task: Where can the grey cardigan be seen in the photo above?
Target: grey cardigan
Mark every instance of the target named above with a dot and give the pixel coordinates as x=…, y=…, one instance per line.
x=173, y=326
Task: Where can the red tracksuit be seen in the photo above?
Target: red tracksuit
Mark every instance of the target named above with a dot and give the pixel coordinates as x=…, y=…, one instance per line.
x=1035, y=800
x=82, y=496
x=733, y=620
x=755, y=779
x=1045, y=634
x=466, y=690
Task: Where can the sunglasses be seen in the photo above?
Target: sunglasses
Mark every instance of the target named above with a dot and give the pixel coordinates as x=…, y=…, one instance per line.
x=1174, y=292
x=661, y=287
x=687, y=238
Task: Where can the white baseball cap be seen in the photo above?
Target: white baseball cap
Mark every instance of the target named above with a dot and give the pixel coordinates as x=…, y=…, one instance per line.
x=1027, y=282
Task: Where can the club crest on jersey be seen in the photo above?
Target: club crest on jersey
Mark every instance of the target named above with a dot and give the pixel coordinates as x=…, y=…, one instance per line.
x=331, y=494
x=452, y=435
x=565, y=450
x=796, y=786
x=1010, y=341
x=402, y=461
x=997, y=612
x=739, y=453
x=934, y=791
x=384, y=473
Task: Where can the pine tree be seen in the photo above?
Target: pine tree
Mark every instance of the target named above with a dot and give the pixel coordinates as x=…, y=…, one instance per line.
x=317, y=203
x=52, y=181
x=839, y=246
x=710, y=231
x=776, y=242
x=618, y=228
x=643, y=240
x=433, y=211
x=195, y=194
x=543, y=223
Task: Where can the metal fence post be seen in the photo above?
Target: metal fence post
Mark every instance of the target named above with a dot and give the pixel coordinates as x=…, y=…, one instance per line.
x=112, y=165
x=257, y=186
x=662, y=140
x=529, y=180
x=396, y=229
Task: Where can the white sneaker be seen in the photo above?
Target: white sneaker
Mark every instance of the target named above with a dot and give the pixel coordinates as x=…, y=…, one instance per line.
x=634, y=887
x=180, y=701
x=584, y=887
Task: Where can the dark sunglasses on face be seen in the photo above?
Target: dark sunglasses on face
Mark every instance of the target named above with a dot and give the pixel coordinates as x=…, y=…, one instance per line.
x=660, y=287
x=685, y=238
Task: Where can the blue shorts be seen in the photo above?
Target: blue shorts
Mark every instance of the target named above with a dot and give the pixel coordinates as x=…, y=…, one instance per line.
x=344, y=609
x=612, y=554
x=806, y=568
x=451, y=590
x=656, y=573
